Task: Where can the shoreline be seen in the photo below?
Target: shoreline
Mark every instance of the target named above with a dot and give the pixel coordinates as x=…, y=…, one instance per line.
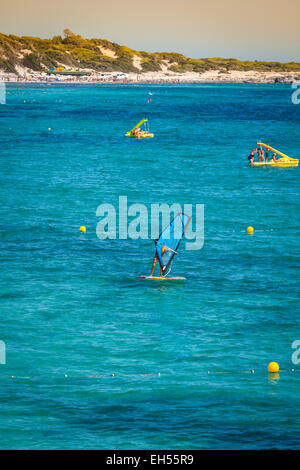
x=213, y=76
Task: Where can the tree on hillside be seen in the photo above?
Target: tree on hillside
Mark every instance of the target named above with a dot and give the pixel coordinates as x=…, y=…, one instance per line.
x=68, y=33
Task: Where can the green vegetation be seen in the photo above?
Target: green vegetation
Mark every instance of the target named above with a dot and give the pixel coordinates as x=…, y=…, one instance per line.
x=73, y=51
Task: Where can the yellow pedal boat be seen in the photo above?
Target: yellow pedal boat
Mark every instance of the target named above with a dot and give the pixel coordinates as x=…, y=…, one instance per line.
x=285, y=161
x=282, y=162
x=142, y=134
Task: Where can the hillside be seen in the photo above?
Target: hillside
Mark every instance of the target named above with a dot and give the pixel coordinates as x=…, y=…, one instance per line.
x=74, y=52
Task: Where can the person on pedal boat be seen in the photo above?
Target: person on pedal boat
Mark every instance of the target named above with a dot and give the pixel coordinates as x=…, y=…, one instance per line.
x=261, y=155
x=267, y=155
x=251, y=157
x=137, y=132
x=274, y=158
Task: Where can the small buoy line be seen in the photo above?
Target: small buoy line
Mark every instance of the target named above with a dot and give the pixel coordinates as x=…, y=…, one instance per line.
x=250, y=230
x=273, y=369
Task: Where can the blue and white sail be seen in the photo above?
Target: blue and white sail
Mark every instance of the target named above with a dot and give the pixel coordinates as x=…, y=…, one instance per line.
x=168, y=242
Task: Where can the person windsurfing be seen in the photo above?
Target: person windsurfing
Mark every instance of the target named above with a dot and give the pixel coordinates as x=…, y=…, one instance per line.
x=166, y=246
x=163, y=250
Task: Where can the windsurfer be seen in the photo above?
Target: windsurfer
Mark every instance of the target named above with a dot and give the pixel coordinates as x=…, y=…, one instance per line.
x=154, y=264
x=163, y=249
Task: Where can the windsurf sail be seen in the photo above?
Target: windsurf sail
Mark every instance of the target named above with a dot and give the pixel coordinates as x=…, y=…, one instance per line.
x=168, y=242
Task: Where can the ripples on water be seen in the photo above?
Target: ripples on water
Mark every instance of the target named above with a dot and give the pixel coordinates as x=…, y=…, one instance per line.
x=71, y=303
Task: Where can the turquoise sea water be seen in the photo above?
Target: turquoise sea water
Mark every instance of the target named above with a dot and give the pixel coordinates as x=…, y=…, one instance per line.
x=71, y=304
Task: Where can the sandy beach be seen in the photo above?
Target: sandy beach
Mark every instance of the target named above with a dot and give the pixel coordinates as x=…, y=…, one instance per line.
x=211, y=76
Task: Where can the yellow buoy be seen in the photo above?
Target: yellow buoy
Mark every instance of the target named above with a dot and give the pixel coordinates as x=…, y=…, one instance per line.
x=250, y=230
x=82, y=229
x=273, y=367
